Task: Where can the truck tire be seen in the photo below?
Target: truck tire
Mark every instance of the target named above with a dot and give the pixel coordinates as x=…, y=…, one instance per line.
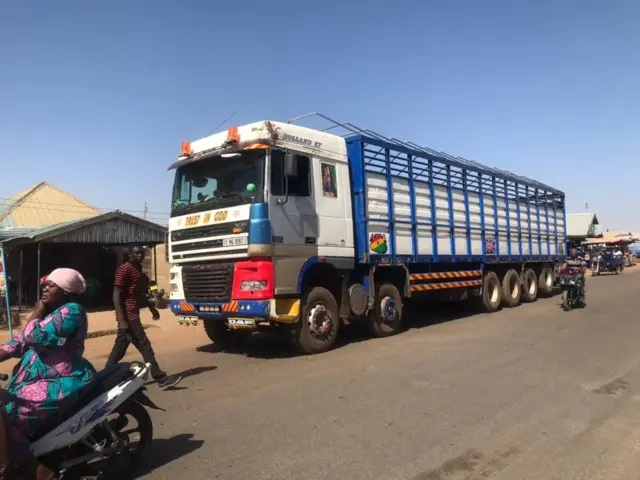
x=319, y=323
x=224, y=338
x=385, y=318
x=529, y=285
x=511, y=289
x=545, y=281
x=489, y=301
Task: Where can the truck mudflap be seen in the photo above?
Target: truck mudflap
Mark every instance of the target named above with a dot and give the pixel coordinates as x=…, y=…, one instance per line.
x=239, y=313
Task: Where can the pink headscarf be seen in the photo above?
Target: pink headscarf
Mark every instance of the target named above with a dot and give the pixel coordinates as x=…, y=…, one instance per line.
x=68, y=279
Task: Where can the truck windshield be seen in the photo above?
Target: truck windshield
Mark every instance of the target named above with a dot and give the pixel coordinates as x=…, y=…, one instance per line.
x=220, y=181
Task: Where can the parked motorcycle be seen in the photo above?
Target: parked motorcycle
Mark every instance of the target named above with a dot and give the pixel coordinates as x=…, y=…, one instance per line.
x=156, y=295
x=91, y=437
x=571, y=283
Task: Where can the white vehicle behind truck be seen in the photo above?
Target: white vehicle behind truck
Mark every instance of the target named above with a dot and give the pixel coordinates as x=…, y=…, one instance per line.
x=274, y=225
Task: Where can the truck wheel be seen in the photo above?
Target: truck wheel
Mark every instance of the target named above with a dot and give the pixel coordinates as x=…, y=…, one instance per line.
x=511, y=289
x=529, y=286
x=545, y=281
x=490, y=299
x=385, y=318
x=319, y=323
x=224, y=338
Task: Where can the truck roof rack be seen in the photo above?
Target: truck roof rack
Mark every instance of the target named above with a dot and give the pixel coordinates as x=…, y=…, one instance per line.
x=347, y=129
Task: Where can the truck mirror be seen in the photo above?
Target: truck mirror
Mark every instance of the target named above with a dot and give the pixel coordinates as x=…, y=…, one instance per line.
x=290, y=165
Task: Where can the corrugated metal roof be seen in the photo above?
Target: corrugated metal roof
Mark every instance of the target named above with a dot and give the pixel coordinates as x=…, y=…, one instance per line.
x=9, y=233
x=580, y=224
x=42, y=205
x=113, y=228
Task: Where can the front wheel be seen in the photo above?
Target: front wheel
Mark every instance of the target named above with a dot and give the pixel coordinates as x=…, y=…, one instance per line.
x=130, y=433
x=318, y=327
x=566, y=301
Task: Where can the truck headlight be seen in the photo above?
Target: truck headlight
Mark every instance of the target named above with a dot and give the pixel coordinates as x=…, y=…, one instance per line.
x=174, y=275
x=174, y=287
x=248, y=285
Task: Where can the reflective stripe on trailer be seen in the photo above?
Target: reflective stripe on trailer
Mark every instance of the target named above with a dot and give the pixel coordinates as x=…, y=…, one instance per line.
x=441, y=275
x=442, y=286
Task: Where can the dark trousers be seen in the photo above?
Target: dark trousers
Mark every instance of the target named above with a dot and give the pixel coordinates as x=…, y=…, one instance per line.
x=135, y=335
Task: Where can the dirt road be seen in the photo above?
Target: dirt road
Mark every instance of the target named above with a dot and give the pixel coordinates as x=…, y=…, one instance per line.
x=532, y=393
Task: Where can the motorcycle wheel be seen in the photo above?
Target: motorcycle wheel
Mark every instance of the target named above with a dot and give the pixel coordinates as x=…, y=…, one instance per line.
x=566, y=301
x=121, y=424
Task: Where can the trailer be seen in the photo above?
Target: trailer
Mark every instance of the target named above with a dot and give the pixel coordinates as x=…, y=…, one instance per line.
x=275, y=225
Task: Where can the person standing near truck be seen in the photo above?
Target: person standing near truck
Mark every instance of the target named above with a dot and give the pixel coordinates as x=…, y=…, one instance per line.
x=129, y=296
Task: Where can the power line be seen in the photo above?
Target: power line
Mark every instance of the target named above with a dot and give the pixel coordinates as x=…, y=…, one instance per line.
x=10, y=202
x=222, y=123
x=71, y=210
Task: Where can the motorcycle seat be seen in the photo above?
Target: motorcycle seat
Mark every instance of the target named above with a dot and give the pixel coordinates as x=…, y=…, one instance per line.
x=105, y=381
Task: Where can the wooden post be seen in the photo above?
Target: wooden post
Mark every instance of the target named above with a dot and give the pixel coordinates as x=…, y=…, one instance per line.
x=39, y=275
x=155, y=265
x=20, y=274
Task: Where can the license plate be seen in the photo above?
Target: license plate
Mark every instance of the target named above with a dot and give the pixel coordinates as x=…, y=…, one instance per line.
x=241, y=322
x=234, y=241
x=188, y=320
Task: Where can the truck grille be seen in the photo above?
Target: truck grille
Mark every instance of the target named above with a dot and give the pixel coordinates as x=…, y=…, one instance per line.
x=210, y=282
x=215, y=230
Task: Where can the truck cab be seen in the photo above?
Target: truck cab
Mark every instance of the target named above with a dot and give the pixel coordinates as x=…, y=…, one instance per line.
x=253, y=209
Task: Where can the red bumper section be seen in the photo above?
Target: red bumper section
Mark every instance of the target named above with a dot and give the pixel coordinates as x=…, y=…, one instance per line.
x=253, y=280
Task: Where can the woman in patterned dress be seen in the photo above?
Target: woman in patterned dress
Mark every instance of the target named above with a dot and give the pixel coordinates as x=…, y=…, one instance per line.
x=51, y=374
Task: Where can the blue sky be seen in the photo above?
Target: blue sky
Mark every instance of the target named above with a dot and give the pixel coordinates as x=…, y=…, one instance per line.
x=95, y=97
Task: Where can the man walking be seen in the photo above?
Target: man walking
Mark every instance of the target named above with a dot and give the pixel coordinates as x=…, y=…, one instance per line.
x=129, y=296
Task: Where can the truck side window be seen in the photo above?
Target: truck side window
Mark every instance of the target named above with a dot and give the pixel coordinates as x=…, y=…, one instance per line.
x=299, y=186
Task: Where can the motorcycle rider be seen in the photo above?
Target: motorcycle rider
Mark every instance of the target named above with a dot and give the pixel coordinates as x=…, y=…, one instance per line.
x=575, y=261
x=51, y=374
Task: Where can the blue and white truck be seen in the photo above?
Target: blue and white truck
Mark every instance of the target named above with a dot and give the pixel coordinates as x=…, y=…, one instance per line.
x=275, y=225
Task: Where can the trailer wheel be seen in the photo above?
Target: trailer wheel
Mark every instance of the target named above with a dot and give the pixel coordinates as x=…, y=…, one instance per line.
x=224, y=338
x=511, y=289
x=318, y=327
x=386, y=317
x=545, y=281
x=490, y=299
x=529, y=286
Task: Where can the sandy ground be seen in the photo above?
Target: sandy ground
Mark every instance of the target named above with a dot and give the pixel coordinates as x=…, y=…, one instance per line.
x=531, y=393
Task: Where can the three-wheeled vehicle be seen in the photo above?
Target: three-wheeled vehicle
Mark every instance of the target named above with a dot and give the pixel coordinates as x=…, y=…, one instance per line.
x=607, y=260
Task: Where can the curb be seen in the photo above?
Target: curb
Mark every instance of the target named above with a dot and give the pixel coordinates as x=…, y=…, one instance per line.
x=111, y=331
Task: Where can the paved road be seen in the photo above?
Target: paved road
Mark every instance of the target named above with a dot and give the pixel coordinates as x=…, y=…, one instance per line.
x=530, y=393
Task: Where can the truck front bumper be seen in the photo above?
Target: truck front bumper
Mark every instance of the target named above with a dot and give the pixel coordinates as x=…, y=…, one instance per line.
x=264, y=312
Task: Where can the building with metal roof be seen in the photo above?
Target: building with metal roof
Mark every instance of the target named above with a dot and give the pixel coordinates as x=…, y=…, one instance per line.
x=582, y=225
x=42, y=205
x=43, y=228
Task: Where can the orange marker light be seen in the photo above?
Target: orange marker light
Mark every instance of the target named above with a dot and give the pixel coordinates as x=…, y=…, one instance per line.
x=232, y=134
x=185, y=150
x=237, y=230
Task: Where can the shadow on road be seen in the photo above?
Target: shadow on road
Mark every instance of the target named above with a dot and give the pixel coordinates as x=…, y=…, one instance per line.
x=418, y=315
x=192, y=372
x=164, y=451
x=265, y=345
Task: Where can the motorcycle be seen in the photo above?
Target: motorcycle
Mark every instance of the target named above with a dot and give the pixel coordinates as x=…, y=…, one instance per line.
x=573, y=289
x=155, y=295
x=89, y=438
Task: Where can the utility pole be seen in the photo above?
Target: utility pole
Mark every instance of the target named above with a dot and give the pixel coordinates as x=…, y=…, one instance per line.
x=146, y=209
